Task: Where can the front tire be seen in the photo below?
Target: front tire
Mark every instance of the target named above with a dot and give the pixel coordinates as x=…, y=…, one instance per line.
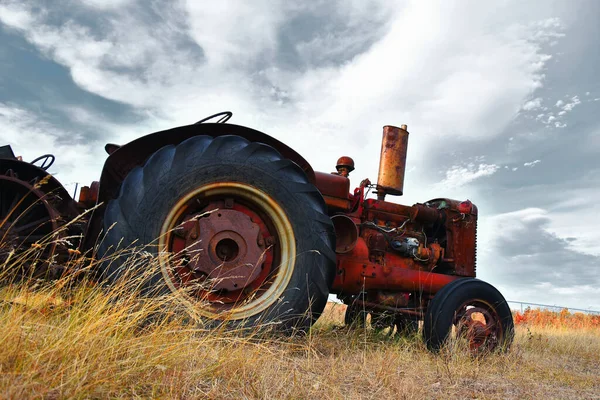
x=239, y=233
x=471, y=310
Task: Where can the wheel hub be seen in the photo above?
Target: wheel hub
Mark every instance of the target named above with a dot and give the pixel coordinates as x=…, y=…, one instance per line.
x=203, y=256
x=480, y=328
x=224, y=247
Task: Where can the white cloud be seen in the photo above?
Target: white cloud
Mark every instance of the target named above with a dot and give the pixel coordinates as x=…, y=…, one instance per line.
x=532, y=262
x=447, y=82
x=458, y=176
x=533, y=104
x=559, y=103
x=30, y=136
x=106, y=4
x=532, y=163
x=574, y=102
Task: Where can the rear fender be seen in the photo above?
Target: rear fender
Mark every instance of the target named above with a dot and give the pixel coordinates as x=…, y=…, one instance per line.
x=124, y=159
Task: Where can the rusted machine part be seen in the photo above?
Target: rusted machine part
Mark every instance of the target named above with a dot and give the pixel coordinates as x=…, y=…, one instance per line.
x=335, y=190
x=372, y=306
x=26, y=219
x=333, y=185
x=88, y=195
x=424, y=214
x=346, y=233
x=222, y=259
x=344, y=166
x=357, y=272
x=479, y=324
x=376, y=276
x=431, y=254
x=392, y=164
x=391, y=299
x=397, y=212
x=224, y=247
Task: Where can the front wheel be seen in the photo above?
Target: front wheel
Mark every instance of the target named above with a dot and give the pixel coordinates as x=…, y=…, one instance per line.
x=239, y=233
x=469, y=311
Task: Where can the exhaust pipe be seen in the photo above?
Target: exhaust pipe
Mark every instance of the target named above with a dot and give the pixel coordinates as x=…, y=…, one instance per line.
x=392, y=163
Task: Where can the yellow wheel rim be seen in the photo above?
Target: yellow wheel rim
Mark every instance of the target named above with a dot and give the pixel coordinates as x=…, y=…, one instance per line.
x=285, y=241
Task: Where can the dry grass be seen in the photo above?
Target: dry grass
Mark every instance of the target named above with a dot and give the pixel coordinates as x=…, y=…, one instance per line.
x=69, y=338
x=560, y=320
x=65, y=341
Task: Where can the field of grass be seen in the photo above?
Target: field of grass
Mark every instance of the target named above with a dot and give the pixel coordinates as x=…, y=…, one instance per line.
x=75, y=341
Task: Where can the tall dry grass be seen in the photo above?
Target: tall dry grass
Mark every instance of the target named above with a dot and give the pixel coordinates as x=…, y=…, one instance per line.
x=66, y=339
x=73, y=338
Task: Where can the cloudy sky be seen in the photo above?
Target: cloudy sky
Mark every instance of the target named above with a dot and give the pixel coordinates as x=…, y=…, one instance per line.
x=502, y=103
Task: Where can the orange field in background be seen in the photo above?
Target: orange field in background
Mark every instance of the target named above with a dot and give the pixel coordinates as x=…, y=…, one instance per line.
x=562, y=319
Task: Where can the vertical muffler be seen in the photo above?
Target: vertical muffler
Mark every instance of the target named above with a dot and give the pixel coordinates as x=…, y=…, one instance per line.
x=392, y=162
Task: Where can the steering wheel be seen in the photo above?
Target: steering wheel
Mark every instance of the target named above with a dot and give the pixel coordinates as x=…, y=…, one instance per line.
x=225, y=117
x=47, y=163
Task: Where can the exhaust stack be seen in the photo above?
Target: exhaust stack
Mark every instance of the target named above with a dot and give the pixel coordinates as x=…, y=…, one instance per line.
x=392, y=163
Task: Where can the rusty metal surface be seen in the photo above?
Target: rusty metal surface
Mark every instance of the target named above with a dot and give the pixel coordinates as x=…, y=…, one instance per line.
x=346, y=233
x=335, y=204
x=344, y=166
x=479, y=324
x=392, y=164
x=356, y=273
x=332, y=185
x=461, y=234
x=225, y=248
x=88, y=195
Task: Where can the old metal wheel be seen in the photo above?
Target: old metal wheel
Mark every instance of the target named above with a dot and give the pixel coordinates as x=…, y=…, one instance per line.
x=479, y=324
x=470, y=311
x=240, y=234
x=26, y=219
x=234, y=248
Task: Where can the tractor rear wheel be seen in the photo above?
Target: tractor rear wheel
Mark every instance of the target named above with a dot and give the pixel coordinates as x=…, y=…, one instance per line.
x=472, y=311
x=239, y=233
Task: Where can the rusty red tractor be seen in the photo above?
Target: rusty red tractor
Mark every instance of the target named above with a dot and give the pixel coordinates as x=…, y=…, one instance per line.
x=244, y=228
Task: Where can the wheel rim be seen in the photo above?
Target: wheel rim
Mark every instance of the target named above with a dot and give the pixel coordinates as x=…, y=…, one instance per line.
x=480, y=325
x=26, y=218
x=228, y=250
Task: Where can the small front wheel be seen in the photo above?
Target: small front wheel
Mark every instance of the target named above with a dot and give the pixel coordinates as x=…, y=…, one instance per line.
x=472, y=311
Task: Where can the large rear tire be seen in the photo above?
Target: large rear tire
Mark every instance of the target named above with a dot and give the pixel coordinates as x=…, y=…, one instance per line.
x=471, y=311
x=239, y=233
